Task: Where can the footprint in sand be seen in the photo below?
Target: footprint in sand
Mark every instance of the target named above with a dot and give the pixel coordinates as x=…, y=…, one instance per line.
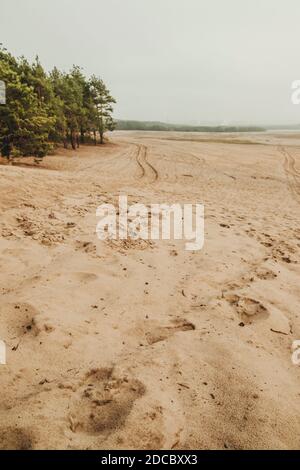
x=87, y=247
x=84, y=276
x=161, y=333
x=16, y=319
x=15, y=439
x=103, y=402
x=265, y=274
x=42, y=323
x=284, y=253
x=122, y=246
x=248, y=309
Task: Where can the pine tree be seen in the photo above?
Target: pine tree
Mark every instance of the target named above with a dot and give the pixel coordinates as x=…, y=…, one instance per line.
x=44, y=109
x=24, y=121
x=103, y=103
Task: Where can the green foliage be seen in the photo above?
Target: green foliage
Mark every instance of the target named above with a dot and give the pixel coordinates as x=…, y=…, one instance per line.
x=24, y=121
x=103, y=102
x=42, y=109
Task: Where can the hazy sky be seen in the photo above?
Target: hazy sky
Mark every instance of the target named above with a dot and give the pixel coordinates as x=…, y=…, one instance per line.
x=173, y=60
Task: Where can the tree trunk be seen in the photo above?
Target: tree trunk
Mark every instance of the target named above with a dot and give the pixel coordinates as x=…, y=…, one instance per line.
x=65, y=141
x=95, y=138
x=73, y=140
x=82, y=136
x=6, y=147
x=101, y=129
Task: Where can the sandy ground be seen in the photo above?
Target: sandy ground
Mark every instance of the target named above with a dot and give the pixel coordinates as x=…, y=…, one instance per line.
x=144, y=344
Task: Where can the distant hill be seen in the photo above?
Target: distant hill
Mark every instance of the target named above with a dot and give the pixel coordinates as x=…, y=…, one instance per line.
x=123, y=125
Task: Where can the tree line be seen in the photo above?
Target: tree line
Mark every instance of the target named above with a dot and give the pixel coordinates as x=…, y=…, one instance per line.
x=123, y=125
x=44, y=109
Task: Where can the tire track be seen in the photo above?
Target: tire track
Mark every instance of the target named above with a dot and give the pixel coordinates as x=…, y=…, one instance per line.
x=292, y=174
x=175, y=157
x=147, y=170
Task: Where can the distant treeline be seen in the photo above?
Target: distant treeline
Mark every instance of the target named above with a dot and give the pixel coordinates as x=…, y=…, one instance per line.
x=43, y=109
x=161, y=126
x=283, y=127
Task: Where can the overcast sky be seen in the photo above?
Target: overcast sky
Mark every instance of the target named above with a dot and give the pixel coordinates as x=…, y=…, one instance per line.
x=171, y=60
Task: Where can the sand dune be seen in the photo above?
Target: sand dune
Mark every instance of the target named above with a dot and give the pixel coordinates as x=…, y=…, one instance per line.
x=127, y=344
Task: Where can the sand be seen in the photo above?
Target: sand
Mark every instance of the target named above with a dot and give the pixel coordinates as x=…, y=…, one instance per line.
x=142, y=344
